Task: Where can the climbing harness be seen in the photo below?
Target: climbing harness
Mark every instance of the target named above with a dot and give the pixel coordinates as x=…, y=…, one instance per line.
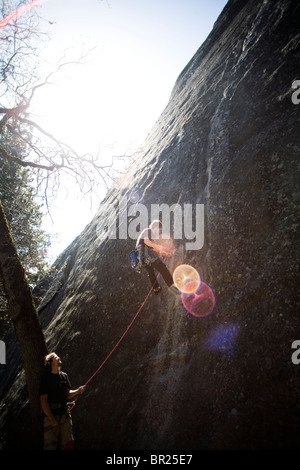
x=140, y=256
x=72, y=404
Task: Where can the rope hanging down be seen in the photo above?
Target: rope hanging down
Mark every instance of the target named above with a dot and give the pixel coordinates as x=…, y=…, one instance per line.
x=117, y=344
x=125, y=332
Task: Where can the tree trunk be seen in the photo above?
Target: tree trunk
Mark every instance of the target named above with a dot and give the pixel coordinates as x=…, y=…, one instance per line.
x=26, y=322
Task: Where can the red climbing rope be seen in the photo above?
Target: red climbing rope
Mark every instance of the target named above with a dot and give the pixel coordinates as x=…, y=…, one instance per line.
x=71, y=405
x=125, y=332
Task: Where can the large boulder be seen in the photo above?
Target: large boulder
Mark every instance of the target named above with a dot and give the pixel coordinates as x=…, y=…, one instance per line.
x=227, y=140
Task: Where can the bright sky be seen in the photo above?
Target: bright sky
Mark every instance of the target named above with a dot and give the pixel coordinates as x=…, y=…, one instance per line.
x=139, y=47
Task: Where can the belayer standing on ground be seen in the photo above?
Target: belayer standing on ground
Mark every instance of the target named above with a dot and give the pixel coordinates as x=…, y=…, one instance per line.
x=147, y=239
x=55, y=390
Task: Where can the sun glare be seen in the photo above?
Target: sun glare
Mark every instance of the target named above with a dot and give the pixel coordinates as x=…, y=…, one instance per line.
x=106, y=102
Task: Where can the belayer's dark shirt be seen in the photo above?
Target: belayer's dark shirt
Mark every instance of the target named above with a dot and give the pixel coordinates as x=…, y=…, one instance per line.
x=56, y=386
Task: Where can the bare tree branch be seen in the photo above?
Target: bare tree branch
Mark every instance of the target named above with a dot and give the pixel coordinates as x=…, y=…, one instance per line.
x=4, y=154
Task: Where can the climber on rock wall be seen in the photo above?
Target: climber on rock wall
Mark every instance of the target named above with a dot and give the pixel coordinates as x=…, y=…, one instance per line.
x=149, y=239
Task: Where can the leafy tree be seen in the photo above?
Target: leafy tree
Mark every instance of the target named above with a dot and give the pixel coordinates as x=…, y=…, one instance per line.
x=24, y=217
x=18, y=59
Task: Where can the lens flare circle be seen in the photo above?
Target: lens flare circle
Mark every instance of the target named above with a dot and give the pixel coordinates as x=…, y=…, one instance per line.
x=201, y=303
x=134, y=197
x=186, y=279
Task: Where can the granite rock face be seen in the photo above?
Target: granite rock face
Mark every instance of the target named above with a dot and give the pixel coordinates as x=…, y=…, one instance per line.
x=227, y=140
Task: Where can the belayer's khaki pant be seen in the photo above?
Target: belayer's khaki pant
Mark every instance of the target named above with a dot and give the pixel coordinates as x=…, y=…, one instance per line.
x=61, y=436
